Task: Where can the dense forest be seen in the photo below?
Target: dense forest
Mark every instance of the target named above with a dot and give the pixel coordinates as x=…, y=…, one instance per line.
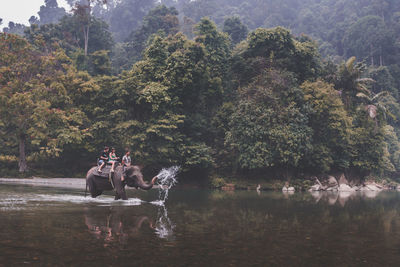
x=274, y=89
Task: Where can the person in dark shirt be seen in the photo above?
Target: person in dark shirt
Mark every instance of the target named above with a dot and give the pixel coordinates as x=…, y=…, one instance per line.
x=103, y=158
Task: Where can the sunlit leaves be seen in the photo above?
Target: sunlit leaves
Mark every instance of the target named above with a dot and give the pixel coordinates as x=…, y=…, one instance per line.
x=37, y=103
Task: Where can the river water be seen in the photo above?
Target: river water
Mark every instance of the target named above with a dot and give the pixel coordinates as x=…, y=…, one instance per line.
x=60, y=227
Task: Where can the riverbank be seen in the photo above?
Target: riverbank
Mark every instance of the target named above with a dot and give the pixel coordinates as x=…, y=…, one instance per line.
x=74, y=183
x=215, y=183
x=313, y=184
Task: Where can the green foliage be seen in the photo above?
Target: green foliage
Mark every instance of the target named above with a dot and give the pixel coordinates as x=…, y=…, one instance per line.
x=161, y=20
x=160, y=107
x=369, y=38
x=15, y=28
x=236, y=30
x=271, y=43
x=36, y=110
x=266, y=104
x=277, y=48
x=368, y=148
x=384, y=81
x=348, y=81
x=392, y=148
x=217, y=182
x=327, y=21
x=127, y=16
x=217, y=47
x=100, y=63
x=225, y=157
x=50, y=13
x=331, y=128
x=68, y=35
x=269, y=127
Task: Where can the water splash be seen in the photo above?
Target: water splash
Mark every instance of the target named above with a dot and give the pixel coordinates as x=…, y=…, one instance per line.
x=164, y=227
x=166, y=180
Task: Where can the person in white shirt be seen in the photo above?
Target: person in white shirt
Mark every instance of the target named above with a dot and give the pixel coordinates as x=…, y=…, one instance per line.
x=126, y=162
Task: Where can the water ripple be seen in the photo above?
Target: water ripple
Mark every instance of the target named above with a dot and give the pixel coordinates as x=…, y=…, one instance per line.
x=20, y=202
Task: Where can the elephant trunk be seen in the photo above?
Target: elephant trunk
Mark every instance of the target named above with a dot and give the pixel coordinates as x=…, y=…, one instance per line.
x=146, y=186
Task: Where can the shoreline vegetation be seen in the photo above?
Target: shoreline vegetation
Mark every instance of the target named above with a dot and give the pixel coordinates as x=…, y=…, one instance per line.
x=329, y=184
x=235, y=103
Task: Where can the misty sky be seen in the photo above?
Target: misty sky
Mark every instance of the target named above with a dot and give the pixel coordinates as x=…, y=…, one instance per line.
x=21, y=10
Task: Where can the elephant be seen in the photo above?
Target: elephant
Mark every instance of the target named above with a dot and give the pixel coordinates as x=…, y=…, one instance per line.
x=97, y=183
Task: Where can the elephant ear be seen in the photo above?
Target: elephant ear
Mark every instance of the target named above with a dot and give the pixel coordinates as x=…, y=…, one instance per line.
x=129, y=171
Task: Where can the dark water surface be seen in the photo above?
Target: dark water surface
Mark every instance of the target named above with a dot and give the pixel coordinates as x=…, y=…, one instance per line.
x=59, y=227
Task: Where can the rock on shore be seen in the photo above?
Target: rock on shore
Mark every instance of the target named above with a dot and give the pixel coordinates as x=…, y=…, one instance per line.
x=287, y=188
x=343, y=185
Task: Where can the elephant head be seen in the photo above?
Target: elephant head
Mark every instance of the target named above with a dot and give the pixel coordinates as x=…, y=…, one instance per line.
x=134, y=178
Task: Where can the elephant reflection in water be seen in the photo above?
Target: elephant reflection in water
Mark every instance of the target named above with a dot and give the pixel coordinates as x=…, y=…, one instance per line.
x=114, y=226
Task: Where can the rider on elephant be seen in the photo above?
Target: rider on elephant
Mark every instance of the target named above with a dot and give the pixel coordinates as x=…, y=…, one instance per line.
x=112, y=158
x=103, y=158
x=126, y=162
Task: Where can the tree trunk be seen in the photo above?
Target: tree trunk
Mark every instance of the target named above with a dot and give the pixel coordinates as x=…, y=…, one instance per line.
x=23, y=167
x=86, y=36
x=371, y=54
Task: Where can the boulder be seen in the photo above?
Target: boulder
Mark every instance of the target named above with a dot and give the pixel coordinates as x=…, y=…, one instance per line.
x=343, y=180
x=355, y=182
x=333, y=188
x=332, y=181
x=322, y=187
x=364, y=188
x=318, y=182
x=345, y=188
x=287, y=188
x=316, y=187
x=356, y=188
x=372, y=187
x=331, y=184
x=291, y=189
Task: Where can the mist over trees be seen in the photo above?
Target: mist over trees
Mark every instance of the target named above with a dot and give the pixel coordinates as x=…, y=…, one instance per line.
x=286, y=88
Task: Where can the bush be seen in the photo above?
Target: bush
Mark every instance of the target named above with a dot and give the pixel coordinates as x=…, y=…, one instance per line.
x=217, y=182
x=8, y=165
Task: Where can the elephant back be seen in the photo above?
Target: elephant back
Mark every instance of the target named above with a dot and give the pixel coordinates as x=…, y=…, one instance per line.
x=105, y=172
